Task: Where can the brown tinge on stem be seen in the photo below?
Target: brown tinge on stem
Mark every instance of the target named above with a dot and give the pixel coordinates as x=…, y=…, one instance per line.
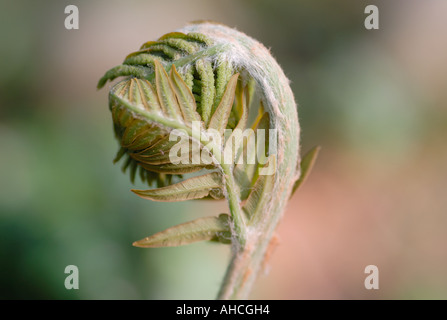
x=274, y=242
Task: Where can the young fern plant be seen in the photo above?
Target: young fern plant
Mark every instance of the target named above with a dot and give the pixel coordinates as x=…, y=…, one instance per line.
x=210, y=100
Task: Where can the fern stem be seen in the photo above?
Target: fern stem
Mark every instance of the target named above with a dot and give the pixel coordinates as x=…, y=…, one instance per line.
x=240, y=229
x=249, y=251
x=236, y=51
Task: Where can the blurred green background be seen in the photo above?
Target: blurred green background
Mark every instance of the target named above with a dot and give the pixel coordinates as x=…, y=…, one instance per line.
x=374, y=100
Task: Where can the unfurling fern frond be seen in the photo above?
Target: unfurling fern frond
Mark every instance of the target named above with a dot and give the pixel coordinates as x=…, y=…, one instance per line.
x=211, y=100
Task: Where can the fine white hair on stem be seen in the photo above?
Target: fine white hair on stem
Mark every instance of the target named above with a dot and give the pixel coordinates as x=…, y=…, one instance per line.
x=251, y=58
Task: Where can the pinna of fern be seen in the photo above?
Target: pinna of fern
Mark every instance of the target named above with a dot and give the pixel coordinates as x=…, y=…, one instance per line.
x=213, y=77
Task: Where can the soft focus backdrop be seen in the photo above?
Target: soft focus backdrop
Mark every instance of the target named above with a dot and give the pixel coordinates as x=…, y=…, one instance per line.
x=374, y=100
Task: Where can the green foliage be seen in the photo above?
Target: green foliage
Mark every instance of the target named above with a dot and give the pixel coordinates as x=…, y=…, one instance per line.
x=200, y=88
x=220, y=117
x=146, y=111
x=189, y=189
x=306, y=165
x=202, y=229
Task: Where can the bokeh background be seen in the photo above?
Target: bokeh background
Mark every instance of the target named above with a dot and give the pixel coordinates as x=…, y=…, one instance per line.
x=374, y=100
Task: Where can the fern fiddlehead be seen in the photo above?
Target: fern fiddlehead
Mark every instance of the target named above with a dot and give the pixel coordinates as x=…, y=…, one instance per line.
x=205, y=84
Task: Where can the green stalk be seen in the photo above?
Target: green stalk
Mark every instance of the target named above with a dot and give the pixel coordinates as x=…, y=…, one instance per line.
x=250, y=239
x=240, y=228
x=249, y=252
